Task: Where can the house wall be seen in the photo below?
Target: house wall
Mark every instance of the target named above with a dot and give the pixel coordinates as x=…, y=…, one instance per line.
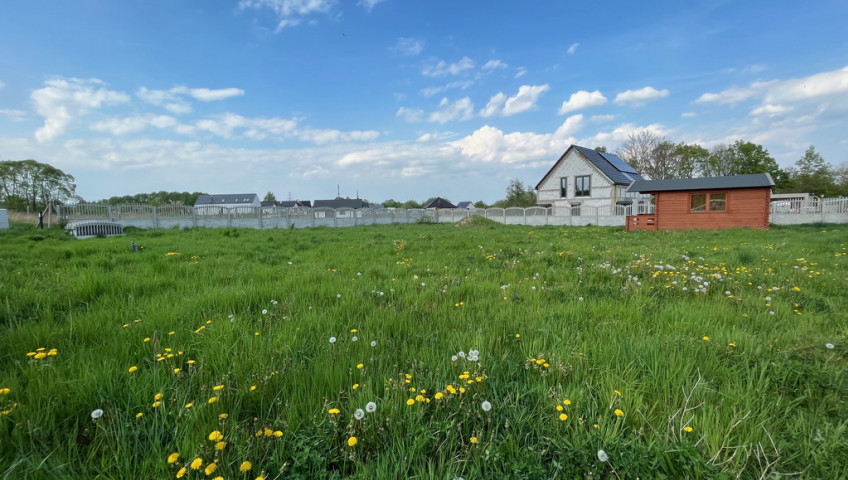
x=574, y=165
x=748, y=207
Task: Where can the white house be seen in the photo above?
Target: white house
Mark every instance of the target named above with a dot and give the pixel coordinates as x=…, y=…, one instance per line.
x=585, y=182
x=220, y=203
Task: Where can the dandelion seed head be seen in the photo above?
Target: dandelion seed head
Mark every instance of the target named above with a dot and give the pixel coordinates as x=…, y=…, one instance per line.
x=359, y=414
x=602, y=456
x=95, y=414
x=486, y=406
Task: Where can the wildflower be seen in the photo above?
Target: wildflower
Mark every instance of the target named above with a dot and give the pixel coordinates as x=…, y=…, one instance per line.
x=517, y=335
x=189, y=404
x=359, y=414
x=40, y=355
x=617, y=393
x=176, y=370
x=351, y=441
x=705, y=338
x=828, y=346
x=181, y=472
x=619, y=413
x=332, y=340
x=156, y=404
x=566, y=402
x=373, y=343
x=252, y=388
x=486, y=406
x=172, y=458
x=264, y=311
x=338, y=295
x=602, y=456
x=454, y=358
x=223, y=416
x=687, y=429
x=596, y=426
x=210, y=468
x=354, y=338
x=196, y=463
x=333, y=411
x=474, y=440
x=439, y=395
x=360, y=366
x=96, y=414
x=215, y=436
x=355, y=386
x=563, y=417
x=146, y=339
x=158, y=396
x=410, y=402
x=559, y=408
x=220, y=446
x=213, y=399
x=217, y=387
x=731, y=344
x=370, y=407
x=278, y=433
x=245, y=466
x=133, y=368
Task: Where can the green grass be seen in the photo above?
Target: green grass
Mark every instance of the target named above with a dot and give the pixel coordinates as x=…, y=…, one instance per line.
x=578, y=314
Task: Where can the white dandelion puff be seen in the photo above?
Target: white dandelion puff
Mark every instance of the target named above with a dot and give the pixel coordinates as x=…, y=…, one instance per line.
x=373, y=343
x=355, y=338
x=371, y=407
x=264, y=312
x=332, y=339
x=602, y=456
x=828, y=346
x=96, y=414
x=359, y=414
x=486, y=406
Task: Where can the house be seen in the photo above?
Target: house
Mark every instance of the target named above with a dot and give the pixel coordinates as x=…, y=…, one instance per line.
x=295, y=203
x=466, y=205
x=585, y=181
x=709, y=203
x=222, y=203
x=339, y=202
x=440, y=202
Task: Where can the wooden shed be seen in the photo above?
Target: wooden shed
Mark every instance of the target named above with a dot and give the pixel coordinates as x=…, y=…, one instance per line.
x=736, y=201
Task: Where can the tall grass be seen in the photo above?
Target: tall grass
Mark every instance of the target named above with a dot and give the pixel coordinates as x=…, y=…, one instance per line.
x=713, y=347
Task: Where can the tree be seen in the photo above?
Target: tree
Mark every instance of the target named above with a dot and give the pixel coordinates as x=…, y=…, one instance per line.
x=813, y=175
x=690, y=158
x=519, y=196
x=718, y=164
x=392, y=203
x=747, y=157
x=410, y=204
x=480, y=204
x=601, y=149
x=638, y=151
x=270, y=197
x=37, y=184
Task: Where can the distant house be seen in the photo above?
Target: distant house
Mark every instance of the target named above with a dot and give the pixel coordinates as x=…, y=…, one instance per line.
x=583, y=177
x=440, y=202
x=221, y=203
x=466, y=205
x=707, y=203
x=339, y=202
x=294, y=203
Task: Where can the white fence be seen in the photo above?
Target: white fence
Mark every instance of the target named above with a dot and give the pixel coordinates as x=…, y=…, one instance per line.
x=834, y=210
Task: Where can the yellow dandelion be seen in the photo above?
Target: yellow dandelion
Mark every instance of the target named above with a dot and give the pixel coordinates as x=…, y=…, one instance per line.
x=355, y=386
x=176, y=370
x=213, y=399
x=474, y=440
x=139, y=415
x=360, y=366
x=40, y=355
x=133, y=368
x=217, y=387
x=411, y=401
x=196, y=464
x=245, y=466
x=172, y=458
x=156, y=404
x=210, y=468
x=189, y=404
x=687, y=429
x=617, y=393
x=566, y=402
x=333, y=411
x=438, y=395
x=517, y=335
x=563, y=417
x=352, y=441
x=596, y=426
x=619, y=413
x=223, y=416
x=216, y=436
x=705, y=338
x=218, y=478
x=559, y=408
x=252, y=388
x=268, y=432
x=146, y=339
x=158, y=396
x=181, y=473
x=220, y=446
x=278, y=433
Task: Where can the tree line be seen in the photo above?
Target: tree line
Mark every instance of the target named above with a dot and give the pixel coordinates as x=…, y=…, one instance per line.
x=155, y=198
x=27, y=185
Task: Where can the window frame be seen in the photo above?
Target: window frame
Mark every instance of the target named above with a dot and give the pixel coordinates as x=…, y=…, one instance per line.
x=588, y=190
x=707, y=202
x=563, y=187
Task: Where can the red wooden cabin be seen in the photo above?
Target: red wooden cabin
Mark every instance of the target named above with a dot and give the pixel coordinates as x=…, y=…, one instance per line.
x=710, y=203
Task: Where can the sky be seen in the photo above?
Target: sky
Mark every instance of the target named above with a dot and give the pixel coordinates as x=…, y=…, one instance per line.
x=403, y=99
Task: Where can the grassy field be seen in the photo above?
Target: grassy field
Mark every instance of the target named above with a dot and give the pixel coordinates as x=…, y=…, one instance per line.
x=425, y=351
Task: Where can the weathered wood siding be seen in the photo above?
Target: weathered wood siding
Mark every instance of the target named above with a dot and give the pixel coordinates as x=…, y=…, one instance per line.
x=746, y=207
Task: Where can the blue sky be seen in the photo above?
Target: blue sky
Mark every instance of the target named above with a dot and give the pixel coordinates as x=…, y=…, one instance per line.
x=403, y=99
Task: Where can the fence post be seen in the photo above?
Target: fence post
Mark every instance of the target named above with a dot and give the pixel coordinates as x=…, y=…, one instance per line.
x=355, y=218
x=525, y=216
x=193, y=217
x=288, y=218
x=109, y=210
x=155, y=218
x=260, y=218
x=229, y=218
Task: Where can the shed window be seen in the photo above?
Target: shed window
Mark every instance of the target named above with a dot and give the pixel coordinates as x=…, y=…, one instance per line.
x=583, y=186
x=563, y=187
x=708, y=202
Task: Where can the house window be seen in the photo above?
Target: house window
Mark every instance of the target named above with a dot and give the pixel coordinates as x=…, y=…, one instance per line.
x=717, y=202
x=583, y=186
x=563, y=187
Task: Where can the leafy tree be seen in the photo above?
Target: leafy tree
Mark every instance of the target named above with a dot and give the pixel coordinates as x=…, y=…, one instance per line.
x=690, y=158
x=718, y=164
x=270, y=197
x=155, y=198
x=480, y=204
x=749, y=158
x=517, y=195
x=813, y=175
x=392, y=203
x=410, y=204
x=601, y=149
x=36, y=184
x=638, y=151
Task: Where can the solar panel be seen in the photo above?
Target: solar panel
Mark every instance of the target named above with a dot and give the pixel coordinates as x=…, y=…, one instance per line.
x=618, y=163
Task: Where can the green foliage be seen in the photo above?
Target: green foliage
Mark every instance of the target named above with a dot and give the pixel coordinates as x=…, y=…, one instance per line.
x=747, y=157
x=155, y=198
x=813, y=175
x=674, y=329
x=517, y=195
x=269, y=197
x=29, y=185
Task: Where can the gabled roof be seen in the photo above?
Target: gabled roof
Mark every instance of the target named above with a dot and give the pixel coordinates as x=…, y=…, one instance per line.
x=754, y=180
x=612, y=166
x=226, y=199
x=268, y=203
x=440, y=202
x=293, y=203
x=339, y=202
x=465, y=205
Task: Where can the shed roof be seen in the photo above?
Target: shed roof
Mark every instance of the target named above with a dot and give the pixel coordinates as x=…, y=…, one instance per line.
x=440, y=202
x=754, y=180
x=339, y=202
x=226, y=199
x=465, y=205
x=612, y=166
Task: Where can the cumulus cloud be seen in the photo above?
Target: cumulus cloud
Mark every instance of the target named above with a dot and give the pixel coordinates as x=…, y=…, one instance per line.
x=622, y=132
x=495, y=105
x=462, y=109
x=408, y=46
x=637, y=98
x=122, y=126
x=601, y=118
x=13, y=115
x=62, y=100
x=573, y=48
x=209, y=95
x=290, y=12
x=461, y=85
x=770, y=110
x=522, y=101
x=442, y=69
x=411, y=115
x=428, y=137
x=730, y=96
x=493, y=65
x=582, y=99
x=174, y=99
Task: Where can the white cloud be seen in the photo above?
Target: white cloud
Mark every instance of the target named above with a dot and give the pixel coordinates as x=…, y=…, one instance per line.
x=462, y=109
x=637, y=98
x=520, y=72
x=2, y=85
x=408, y=46
x=573, y=48
x=493, y=65
x=819, y=85
x=13, y=115
x=522, y=101
x=369, y=4
x=462, y=85
x=122, y=126
x=410, y=114
x=289, y=12
x=174, y=100
x=770, y=110
x=442, y=69
x=428, y=137
x=62, y=100
x=620, y=133
x=601, y=118
x=730, y=96
x=208, y=95
x=582, y=99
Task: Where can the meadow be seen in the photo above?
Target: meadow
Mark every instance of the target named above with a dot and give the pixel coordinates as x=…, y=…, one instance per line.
x=426, y=352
